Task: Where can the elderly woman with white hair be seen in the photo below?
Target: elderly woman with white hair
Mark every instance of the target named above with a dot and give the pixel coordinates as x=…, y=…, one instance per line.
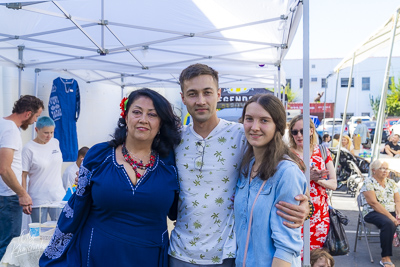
x=382, y=207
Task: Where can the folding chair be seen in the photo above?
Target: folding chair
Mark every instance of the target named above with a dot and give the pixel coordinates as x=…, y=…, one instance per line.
x=367, y=229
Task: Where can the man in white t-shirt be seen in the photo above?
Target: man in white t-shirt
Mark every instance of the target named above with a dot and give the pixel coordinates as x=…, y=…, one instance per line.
x=12, y=195
x=208, y=160
x=69, y=175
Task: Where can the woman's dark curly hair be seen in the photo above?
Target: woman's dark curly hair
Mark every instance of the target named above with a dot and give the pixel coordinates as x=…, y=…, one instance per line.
x=169, y=135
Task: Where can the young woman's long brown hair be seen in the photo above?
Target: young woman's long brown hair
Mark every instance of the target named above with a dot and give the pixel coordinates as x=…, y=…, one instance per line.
x=276, y=149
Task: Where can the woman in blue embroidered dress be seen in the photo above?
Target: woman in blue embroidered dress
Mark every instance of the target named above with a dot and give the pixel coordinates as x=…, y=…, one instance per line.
x=270, y=174
x=126, y=189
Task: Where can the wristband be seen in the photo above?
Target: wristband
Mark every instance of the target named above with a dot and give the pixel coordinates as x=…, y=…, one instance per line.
x=311, y=213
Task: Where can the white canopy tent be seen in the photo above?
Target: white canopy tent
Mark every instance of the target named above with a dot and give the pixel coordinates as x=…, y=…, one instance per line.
x=148, y=42
x=384, y=37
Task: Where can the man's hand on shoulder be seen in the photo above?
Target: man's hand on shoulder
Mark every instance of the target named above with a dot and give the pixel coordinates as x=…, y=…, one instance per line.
x=294, y=214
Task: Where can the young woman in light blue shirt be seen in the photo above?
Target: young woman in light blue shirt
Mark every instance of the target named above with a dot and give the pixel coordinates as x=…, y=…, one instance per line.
x=270, y=173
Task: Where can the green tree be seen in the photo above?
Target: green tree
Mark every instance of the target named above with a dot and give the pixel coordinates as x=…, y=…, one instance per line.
x=291, y=96
x=375, y=104
x=393, y=99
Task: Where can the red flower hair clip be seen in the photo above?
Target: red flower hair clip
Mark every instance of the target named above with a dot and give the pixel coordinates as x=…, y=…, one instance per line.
x=122, y=106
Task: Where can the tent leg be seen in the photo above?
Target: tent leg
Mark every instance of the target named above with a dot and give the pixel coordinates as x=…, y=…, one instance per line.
x=334, y=106
x=20, y=68
x=279, y=83
x=306, y=117
x=382, y=105
x=102, y=25
x=326, y=85
x=345, y=110
x=122, y=86
x=37, y=71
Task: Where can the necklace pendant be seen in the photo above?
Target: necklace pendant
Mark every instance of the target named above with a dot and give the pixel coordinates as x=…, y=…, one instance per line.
x=138, y=175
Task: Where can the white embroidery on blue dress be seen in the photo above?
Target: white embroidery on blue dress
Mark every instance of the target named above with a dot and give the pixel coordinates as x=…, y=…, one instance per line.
x=57, y=244
x=177, y=178
x=69, y=212
x=84, y=179
x=162, y=236
x=90, y=245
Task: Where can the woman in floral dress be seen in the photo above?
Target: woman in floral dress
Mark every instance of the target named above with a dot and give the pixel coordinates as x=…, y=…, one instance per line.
x=382, y=206
x=322, y=177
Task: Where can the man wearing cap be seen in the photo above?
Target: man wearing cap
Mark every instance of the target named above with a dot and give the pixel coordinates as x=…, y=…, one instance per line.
x=361, y=130
x=392, y=148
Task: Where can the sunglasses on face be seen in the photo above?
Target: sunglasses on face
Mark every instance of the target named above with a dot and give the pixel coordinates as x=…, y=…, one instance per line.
x=296, y=132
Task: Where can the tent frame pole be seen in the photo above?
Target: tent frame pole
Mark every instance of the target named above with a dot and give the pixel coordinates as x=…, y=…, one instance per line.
x=334, y=106
x=326, y=86
x=345, y=111
x=122, y=85
x=69, y=17
x=306, y=118
x=102, y=25
x=20, y=68
x=279, y=83
x=37, y=71
x=382, y=104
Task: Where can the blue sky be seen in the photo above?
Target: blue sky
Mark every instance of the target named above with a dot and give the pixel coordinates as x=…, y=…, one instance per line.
x=338, y=27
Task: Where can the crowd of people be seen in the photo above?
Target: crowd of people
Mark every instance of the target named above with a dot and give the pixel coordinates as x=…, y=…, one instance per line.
x=234, y=204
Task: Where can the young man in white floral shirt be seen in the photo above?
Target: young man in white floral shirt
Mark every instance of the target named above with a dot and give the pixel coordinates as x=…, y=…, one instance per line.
x=208, y=160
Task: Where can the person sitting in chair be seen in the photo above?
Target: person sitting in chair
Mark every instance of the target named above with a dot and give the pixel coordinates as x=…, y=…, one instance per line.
x=382, y=207
x=392, y=148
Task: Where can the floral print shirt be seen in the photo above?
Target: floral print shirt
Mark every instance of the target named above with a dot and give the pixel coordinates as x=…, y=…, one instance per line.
x=208, y=170
x=384, y=195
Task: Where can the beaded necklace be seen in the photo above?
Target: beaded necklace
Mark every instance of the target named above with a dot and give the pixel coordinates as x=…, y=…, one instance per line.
x=137, y=165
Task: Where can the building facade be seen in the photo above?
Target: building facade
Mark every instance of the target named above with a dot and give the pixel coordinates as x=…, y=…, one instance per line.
x=367, y=82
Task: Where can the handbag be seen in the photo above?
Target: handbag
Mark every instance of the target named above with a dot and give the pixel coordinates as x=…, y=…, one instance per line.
x=336, y=242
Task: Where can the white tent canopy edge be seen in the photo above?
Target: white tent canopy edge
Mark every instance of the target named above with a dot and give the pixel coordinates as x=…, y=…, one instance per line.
x=151, y=44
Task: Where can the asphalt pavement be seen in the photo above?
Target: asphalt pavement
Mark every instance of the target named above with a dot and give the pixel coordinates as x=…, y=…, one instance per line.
x=348, y=206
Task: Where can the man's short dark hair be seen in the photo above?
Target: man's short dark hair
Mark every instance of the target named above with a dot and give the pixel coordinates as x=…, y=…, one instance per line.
x=336, y=136
x=27, y=103
x=196, y=70
x=82, y=152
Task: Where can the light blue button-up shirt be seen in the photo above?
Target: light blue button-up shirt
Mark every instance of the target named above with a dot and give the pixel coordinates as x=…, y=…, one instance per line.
x=361, y=129
x=269, y=237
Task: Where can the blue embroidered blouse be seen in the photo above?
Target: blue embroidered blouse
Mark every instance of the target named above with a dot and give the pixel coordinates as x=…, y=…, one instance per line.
x=111, y=222
x=269, y=237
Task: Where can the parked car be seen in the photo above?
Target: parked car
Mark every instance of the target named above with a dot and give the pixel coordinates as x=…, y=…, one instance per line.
x=371, y=126
x=352, y=123
x=389, y=123
x=396, y=128
x=230, y=114
x=327, y=125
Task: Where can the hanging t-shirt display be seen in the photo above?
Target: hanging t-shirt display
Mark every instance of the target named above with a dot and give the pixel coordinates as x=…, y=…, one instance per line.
x=64, y=108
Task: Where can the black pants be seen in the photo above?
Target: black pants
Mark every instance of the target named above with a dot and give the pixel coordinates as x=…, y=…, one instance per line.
x=387, y=228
